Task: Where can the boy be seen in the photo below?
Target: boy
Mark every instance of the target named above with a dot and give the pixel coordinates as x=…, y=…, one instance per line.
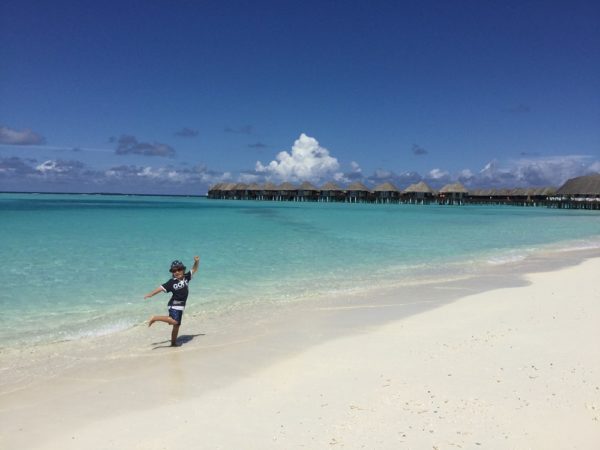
x=178, y=287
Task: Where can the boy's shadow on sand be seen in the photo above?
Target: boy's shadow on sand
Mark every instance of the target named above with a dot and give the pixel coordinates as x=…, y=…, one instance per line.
x=181, y=340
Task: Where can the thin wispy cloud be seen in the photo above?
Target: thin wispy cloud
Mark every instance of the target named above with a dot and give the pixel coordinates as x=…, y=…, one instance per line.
x=246, y=129
x=187, y=132
x=418, y=150
x=10, y=136
x=128, y=145
x=258, y=146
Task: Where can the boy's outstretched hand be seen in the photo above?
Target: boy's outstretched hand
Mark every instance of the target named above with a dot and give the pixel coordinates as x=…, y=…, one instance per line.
x=196, y=263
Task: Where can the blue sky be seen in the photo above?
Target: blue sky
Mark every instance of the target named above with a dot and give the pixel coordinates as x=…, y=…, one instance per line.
x=173, y=96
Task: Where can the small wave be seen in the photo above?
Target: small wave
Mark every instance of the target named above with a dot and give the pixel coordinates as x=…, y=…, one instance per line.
x=103, y=330
x=506, y=259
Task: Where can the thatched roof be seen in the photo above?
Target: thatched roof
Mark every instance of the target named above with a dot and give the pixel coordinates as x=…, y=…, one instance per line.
x=586, y=185
x=254, y=187
x=454, y=188
x=286, y=187
x=269, y=187
x=386, y=187
x=216, y=187
x=331, y=186
x=419, y=187
x=240, y=187
x=532, y=192
x=357, y=186
x=228, y=187
x=306, y=186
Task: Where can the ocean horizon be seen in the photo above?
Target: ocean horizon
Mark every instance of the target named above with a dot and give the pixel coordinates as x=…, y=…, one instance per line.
x=81, y=263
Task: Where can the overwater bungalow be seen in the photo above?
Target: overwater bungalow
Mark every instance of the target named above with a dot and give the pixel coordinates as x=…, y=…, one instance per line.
x=286, y=191
x=331, y=192
x=578, y=193
x=452, y=194
x=307, y=192
x=419, y=193
x=358, y=193
x=386, y=193
x=225, y=190
x=215, y=191
x=240, y=191
x=253, y=191
x=268, y=191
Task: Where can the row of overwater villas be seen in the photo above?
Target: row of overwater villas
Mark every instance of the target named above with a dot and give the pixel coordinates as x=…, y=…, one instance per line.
x=357, y=192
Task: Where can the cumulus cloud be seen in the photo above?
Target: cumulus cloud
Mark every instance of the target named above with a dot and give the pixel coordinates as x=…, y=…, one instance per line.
x=306, y=161
x=187, y=132
x=10, y=136
x=128, y=144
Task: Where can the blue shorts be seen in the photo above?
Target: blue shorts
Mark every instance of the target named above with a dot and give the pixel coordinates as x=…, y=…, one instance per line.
x=176, y=315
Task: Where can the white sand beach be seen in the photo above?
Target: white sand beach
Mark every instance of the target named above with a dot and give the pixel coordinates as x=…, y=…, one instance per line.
x=508, y=368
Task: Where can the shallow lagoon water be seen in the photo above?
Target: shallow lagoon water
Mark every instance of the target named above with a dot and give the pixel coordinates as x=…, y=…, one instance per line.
x=79, y=265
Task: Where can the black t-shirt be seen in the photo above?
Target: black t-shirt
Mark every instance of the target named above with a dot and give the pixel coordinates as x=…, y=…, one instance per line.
x=179, y=289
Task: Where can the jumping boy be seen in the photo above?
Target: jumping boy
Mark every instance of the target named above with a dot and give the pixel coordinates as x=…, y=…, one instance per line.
x=178, y=287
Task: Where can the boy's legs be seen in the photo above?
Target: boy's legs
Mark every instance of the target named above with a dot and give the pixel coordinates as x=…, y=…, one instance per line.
x=174, y=319
x=174, y=333
x=165, y=319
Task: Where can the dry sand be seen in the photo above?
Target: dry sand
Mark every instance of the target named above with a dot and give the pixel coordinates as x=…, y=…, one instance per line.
x=510, y=368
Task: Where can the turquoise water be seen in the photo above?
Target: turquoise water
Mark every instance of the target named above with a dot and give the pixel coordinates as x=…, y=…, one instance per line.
x=79, y=265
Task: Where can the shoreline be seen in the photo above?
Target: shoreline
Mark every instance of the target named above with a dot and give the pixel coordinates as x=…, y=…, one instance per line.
x=123, y=383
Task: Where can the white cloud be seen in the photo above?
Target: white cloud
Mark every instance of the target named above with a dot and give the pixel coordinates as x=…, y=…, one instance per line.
x=438, y=174
x=465, y=175
x=13, y=137
x=306, y=161
x=355, y=167
x=552, y=170
x=542, y=171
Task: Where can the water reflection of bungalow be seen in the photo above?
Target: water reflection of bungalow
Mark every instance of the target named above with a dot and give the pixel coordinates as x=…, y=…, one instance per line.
x=386, y=193
x=357, y=193
x=419, y=193
x=307, y=192
x=452, y=194
x=331, y=192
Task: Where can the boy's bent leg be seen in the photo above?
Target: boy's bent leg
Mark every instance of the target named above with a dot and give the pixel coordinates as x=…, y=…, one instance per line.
x=165, y=319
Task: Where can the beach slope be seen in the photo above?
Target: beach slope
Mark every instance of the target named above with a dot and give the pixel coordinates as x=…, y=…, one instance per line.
x=508, y=368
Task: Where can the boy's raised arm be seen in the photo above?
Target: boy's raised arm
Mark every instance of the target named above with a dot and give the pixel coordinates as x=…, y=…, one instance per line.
x=196, y=264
